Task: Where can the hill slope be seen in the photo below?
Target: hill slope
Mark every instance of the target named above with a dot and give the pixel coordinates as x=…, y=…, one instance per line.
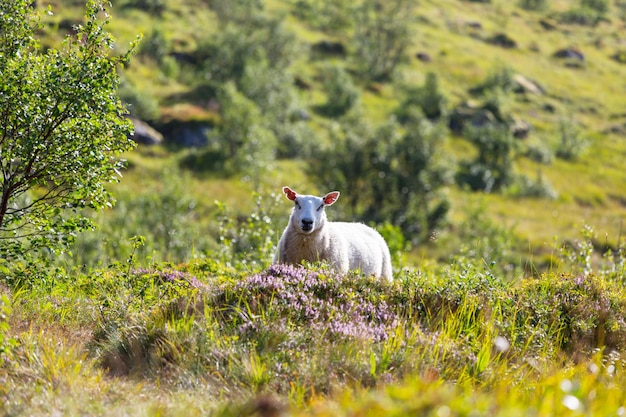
x=466, y=44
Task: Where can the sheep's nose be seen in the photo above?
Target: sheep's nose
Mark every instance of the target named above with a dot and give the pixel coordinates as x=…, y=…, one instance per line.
x=307, y=224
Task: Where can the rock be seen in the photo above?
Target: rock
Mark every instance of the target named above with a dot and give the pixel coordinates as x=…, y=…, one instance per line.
x=571, y=53
x=468, y=112
x=548, y=24
x=503, y=40
x=301, y=83
x=471, y=114
x=424, y=57
x=620, y=56
x=524, y=85
x=519, y=128
x=145, y=134
x=192, y=134
x=329, y=48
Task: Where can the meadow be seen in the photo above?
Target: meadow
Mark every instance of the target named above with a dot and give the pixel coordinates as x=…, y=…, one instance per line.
x=513, y=303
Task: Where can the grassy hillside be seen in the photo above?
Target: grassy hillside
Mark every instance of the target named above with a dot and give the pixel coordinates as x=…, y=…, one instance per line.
x=513, y=306
x=456, y=35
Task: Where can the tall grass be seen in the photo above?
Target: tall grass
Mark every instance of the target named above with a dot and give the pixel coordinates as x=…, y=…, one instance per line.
x=234, y=341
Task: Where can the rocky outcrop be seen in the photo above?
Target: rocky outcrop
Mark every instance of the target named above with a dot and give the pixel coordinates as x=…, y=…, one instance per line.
x=145, y=134
x=190, y=134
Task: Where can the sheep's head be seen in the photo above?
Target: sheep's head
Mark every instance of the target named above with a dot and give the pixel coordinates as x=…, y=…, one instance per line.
x=308, y=213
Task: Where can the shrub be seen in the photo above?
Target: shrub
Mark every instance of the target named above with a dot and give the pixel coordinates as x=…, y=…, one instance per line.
x=141, y=104
x=342, y=95
x=65, y=126
x=428, y=98
x=155, y=46
x=327, y=15
x=493, y=167
x=534, y=4
x=572, y=143
x=153, y=7
x=251, y=241
x=390, y=176
x=243, y=136
x=589, y=12
x=382, y=36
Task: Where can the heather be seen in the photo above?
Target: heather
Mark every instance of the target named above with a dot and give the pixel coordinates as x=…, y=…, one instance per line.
x=210, y=337
x=482, y=139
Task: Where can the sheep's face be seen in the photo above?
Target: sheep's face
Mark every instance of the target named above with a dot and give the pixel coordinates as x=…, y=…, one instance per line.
x=308, y=213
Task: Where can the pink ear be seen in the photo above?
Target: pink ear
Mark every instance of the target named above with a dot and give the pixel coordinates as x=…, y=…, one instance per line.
x=331, y=197
x=291, y=194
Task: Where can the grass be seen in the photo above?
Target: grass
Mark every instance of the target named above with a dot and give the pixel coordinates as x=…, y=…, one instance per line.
x=206, y=338
x=515, y=308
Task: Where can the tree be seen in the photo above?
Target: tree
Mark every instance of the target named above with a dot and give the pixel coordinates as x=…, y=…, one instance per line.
x=427, y=97
x=392, y=175
x=62, y=128
x=411, y=173
x=382, y=36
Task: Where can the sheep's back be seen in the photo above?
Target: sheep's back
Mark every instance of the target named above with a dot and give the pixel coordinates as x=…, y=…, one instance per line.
x=365, y=247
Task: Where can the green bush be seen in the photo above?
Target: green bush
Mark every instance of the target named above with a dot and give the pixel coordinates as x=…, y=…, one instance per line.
x=427, y=97
x=141, y=104
x=534, y=4
x=155, y=45
x=382, y=37
x=589, y=12
x=65, y=125
x=572, y=142
x=390, y=175
x=327, y=15
x=243, y=135
x=341, y=92
x=493, y=167
x=154, y=7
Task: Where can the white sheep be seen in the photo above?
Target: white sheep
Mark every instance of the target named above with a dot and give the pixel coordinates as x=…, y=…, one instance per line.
x=310, y=237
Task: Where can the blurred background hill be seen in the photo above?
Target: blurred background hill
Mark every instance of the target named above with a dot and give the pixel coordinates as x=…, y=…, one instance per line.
x=488, y=129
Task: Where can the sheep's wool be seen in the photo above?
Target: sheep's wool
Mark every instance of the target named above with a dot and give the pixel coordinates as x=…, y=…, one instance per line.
x=310, y=237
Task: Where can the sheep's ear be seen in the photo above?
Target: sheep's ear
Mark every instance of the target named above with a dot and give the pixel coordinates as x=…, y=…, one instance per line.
x=291, y=194
x=331, y=197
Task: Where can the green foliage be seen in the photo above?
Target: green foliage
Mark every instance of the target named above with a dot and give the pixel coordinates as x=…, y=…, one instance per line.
x=154, y=7
x=429, y=98
x=7, y=343
x=588, y=12
x=572, y=143
x=327, y=15
x=155, y=45
x=163, y=213
x=499, y=79
x=141, y=104
x=341, y=92
x=61, y=131
x=493, y=167
x=534, y=4
x=246, y=142
x=248, y=61
x=249, y=242
x=382, y=36
x=390, y=176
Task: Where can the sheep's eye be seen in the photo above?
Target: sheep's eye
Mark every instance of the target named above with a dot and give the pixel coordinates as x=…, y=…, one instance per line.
x=320, y=207
x=298, y=206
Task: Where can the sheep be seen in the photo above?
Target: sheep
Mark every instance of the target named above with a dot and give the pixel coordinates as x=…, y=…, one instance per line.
x=310, y=237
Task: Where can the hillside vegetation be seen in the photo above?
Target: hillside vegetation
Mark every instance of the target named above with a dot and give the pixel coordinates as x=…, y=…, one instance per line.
x=483, y=139
x=287, y=99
